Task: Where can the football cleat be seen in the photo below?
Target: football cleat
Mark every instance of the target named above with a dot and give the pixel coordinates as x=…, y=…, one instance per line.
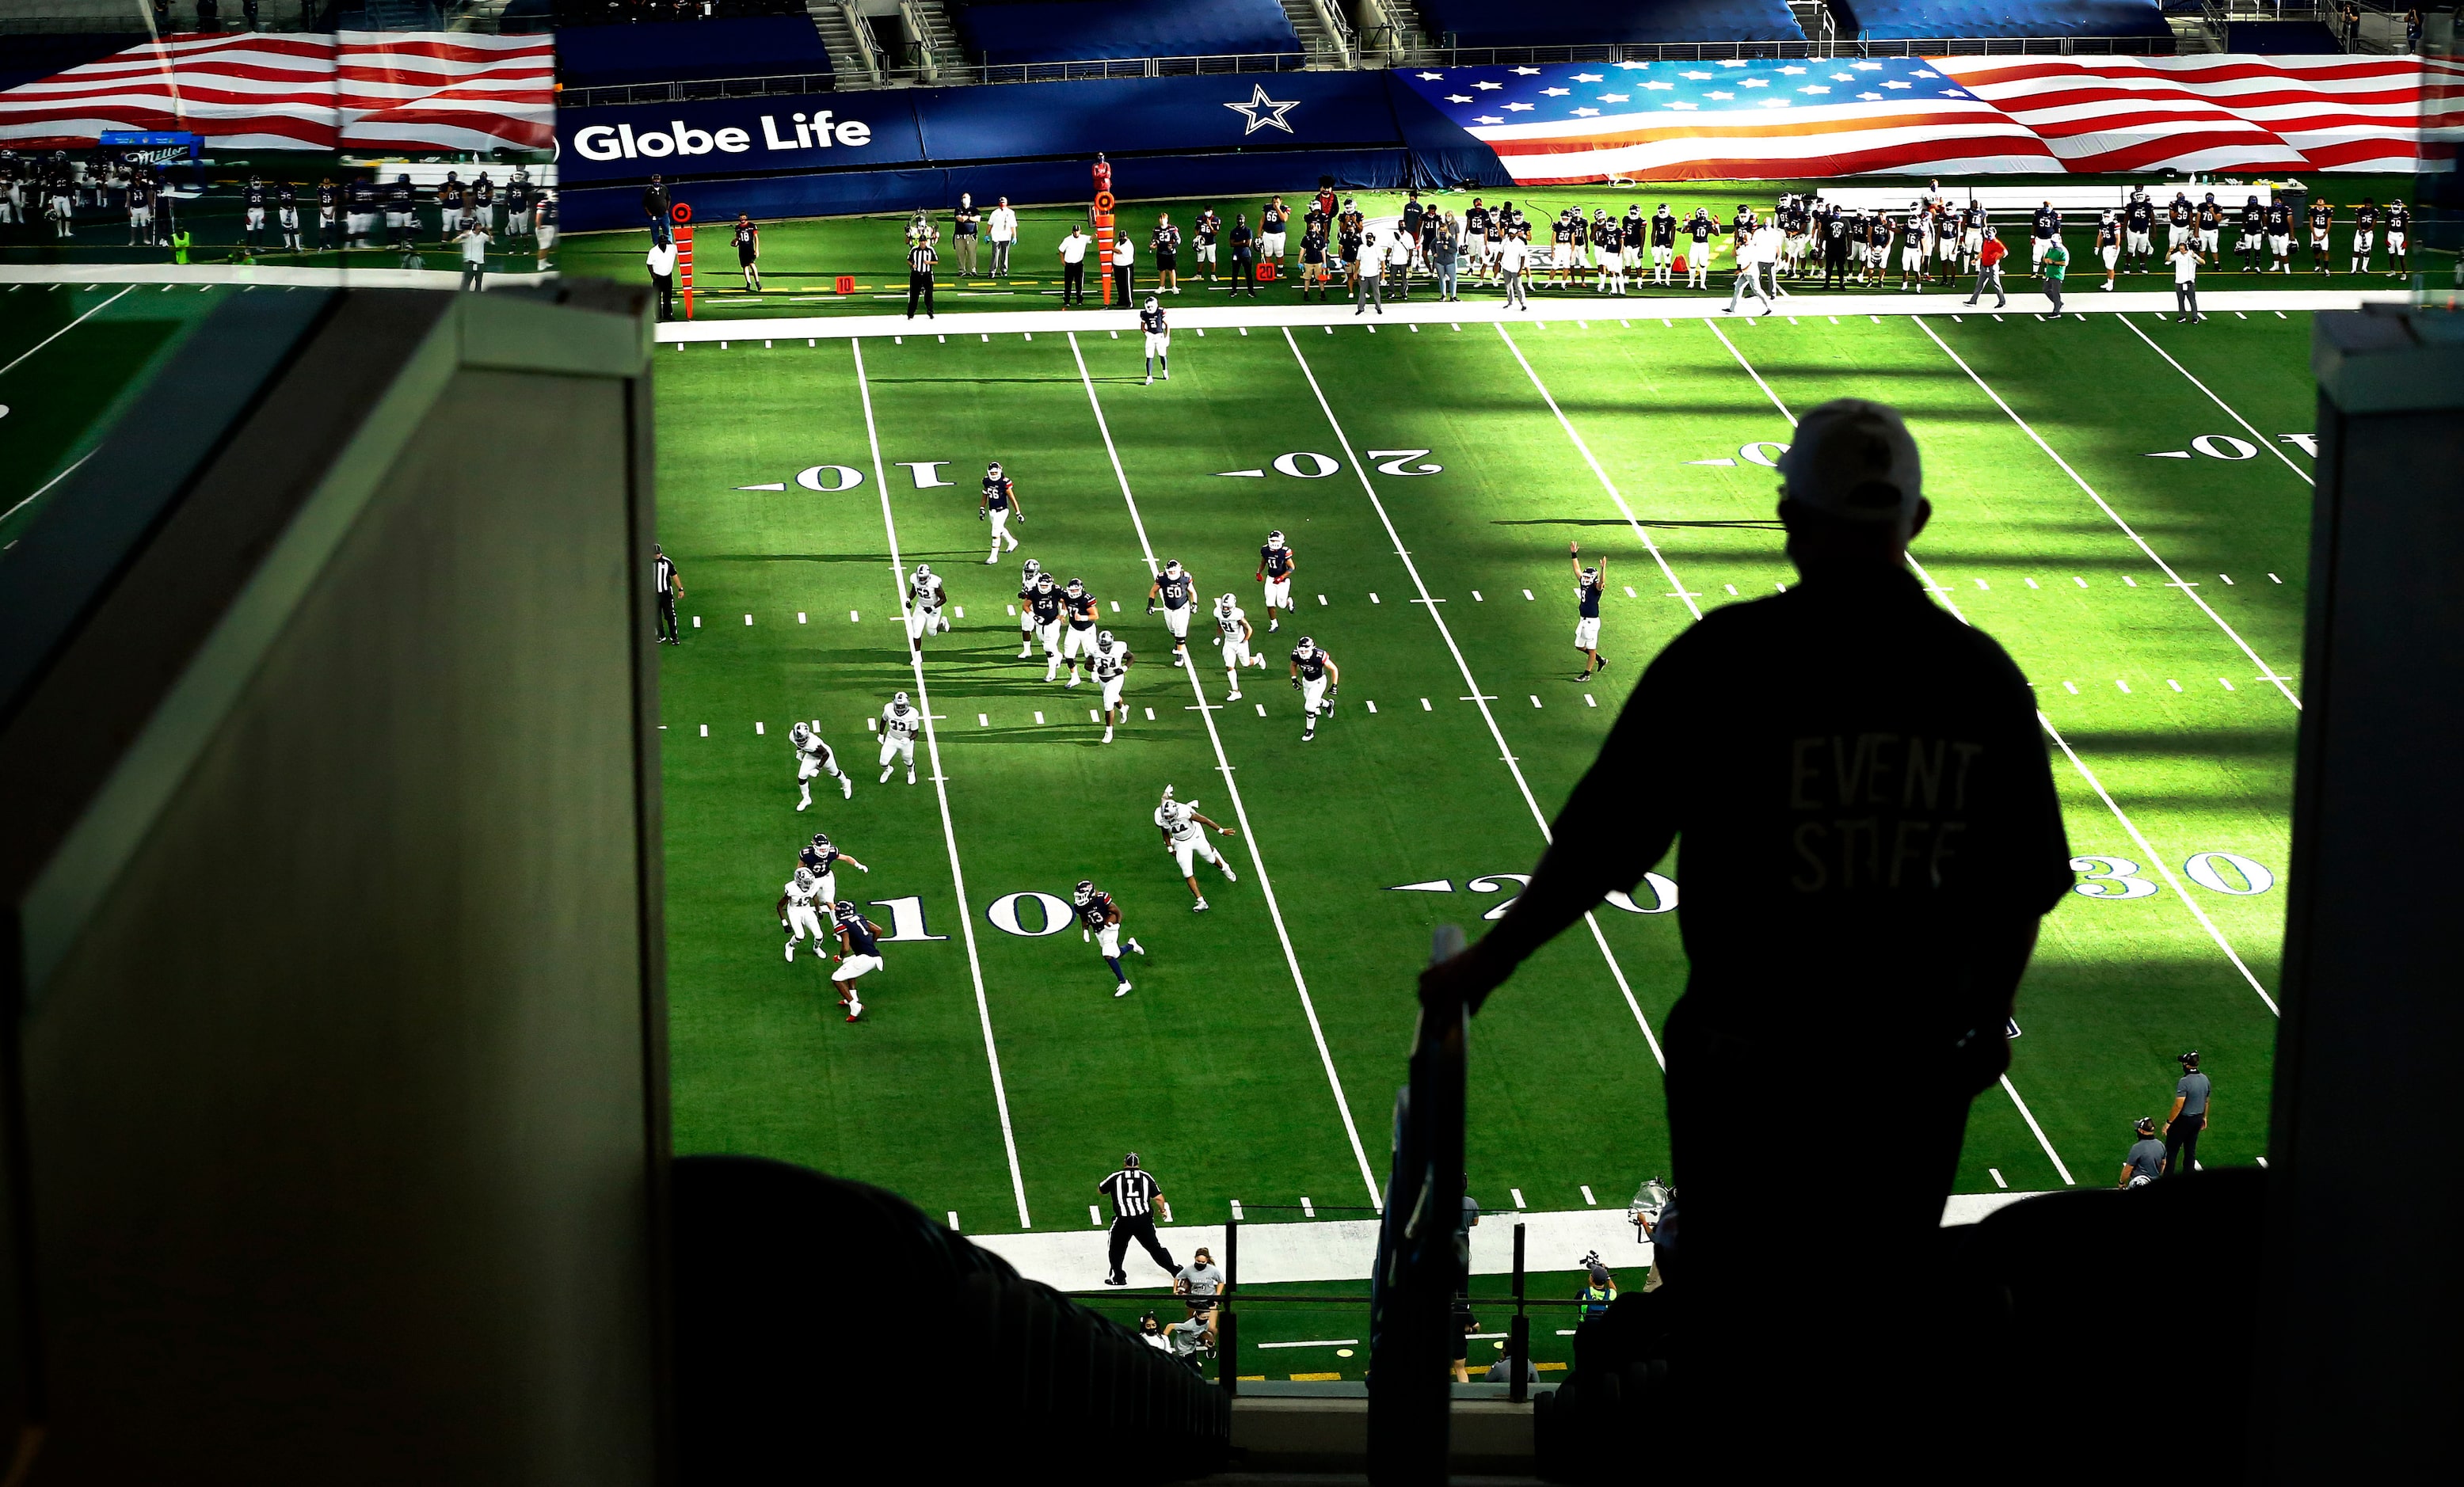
x=1122, y=990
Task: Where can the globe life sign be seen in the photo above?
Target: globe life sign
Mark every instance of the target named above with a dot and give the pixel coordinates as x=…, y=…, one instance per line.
x=679, y=140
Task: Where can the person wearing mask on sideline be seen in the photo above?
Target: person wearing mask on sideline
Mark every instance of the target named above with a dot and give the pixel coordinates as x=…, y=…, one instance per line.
x=662, y=262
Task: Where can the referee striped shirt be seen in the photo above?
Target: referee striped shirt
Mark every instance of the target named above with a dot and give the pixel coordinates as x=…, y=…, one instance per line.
x=663, y=575
x=1132, y=1190
x=921, y=258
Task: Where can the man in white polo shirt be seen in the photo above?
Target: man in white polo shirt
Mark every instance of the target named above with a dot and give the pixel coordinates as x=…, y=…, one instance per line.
x=1001, y=227
x=1073, y=264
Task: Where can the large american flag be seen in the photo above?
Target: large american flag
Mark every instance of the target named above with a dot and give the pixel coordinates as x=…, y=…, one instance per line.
x=1814, y=118
x=303, y=90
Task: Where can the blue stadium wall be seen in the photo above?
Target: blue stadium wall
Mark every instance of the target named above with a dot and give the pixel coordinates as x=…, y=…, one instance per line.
x=1032, y=143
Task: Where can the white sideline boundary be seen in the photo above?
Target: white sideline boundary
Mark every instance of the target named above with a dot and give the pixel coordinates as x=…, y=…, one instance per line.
x=941, y=793
x=1602, y=314
x=1240, y=809
x=1346, y=1249
x=1477, y=699
x=262, y=275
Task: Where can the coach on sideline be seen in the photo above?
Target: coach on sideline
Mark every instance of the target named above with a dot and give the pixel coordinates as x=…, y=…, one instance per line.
x=1869, y=836
x=1134, y=1196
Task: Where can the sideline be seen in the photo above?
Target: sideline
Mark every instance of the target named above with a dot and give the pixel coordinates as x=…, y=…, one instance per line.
x=1629, y=312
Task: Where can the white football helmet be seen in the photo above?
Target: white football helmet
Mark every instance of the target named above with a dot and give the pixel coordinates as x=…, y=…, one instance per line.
x=1306, y=648
x=1033, y=567
x=800, y=732
x=1151, y=301
x=1274, y=539
x=1104, y=637
x=1225, y=605
x=898, y=700
x=804, y=877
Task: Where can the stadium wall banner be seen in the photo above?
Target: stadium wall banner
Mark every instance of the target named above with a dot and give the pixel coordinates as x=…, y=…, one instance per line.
x=301, y=90
x=1030, y=141
x=1816, y=118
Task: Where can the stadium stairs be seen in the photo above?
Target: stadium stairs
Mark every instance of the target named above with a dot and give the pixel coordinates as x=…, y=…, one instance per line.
x=1325, y=34
x=887, y=43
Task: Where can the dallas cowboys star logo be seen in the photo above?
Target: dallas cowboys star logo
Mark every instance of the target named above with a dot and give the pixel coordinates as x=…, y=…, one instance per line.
x=1257, y=101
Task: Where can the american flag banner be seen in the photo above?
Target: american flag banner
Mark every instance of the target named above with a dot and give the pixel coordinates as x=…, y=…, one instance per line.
x=304, y=90
x=1763, y=118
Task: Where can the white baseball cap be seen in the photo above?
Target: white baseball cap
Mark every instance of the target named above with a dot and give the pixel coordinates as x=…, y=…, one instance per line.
x=1854, y=459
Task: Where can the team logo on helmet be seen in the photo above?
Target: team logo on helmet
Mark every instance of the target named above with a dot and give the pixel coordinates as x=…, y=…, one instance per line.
x=1085, y=891
x=800, y=732
x=804, y=877
x=822, y=840
x=1307, y=647
x=1043, y=583
x=1172, y=569
x=1225, y=605
x=1151, y=301
x=1274, y=539
x=1032, y=566
x=845, y=908
x=923, y=570
x=1103, y=637
x=898, y=700
x=993, y=469
x=1076, y=588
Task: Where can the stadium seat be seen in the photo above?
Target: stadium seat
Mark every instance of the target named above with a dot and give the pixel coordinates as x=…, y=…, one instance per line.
x=1075, y=31
x=1887, y=20
x=683, y=51
x=1492, y=23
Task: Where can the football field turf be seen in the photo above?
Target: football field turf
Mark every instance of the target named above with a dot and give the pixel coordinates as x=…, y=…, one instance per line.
x=2121, y=501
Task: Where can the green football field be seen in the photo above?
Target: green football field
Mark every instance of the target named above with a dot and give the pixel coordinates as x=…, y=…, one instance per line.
x=2121, y=501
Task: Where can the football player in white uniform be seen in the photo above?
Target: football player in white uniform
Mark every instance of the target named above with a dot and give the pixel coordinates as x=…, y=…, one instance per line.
x=859, y=952
x=900, y=723
x=1315, y=677
x=814, y=758
x=1099, y=919
x=1234, y=628
x=925, y=598
x=798, y=914
x=1001, y=504
x=1275, y=565
x=1184, y=841
x=822, y=860
x=1027, y=573
x=1112, y=661
x=1175, y=589
x=1078, y=627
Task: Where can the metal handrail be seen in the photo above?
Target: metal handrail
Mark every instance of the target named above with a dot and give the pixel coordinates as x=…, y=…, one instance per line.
x=709, y=88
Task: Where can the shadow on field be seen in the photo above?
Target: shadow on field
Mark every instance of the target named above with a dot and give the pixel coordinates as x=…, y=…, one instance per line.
x=1770, y=524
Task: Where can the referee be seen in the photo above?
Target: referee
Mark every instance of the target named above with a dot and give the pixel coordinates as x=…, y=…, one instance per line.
x=2193, y=1099
x=920, y=258
x=1134, y=1196
x=663, y=580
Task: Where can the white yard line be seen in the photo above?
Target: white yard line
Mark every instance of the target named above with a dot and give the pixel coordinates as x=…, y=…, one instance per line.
x=2029, y=1117
x=65, y=329
x=940, y=791
x=1477, y=698
x=1677, y=589
x=47, y=484
x=2157, y=861
x=2266, y=672
x=1239, y=810
x=2264, y=441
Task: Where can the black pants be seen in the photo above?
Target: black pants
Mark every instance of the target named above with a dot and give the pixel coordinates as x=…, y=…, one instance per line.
x=2053, y=293
x=2185, y=300
x=2181, y=1144
x=1073, y=283
x=1245, y=274
x=1989, y=278
x=1124, y=281
x=1141, y=1228
x=919, y=287
x=667, y=618
x=665, y=284
x=1834, y=266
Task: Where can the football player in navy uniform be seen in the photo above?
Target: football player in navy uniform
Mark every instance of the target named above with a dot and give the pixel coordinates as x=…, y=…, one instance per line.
x=1589, y=583
x=1027, y=573
x=1663, y=244
x=1172, y=588
x=1184, y=841
x=140, y=208
x=251, y=198
x=2399, y=235
x=286, y=211
x=1044, y=603
x=2252, y=222
x=2211, y=227
x=401, y=212
x=819, y=857
x=1078, y=632
x=814, y=758
x=1315, y=677
x=1158, y=335
x=859, y=952
x=2139, y=229
x=1698, y=258
x=2366, y=225
x=1099, y=919
x=1275, y=565
x=2108, y=245
x=2279, y=234
x=2323, y=221
x=1000, y=505
x=329, y=202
